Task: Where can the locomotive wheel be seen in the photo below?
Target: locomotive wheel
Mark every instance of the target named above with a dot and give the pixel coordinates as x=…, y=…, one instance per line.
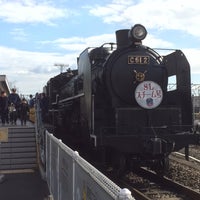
x=163, y=166
x=119, y=163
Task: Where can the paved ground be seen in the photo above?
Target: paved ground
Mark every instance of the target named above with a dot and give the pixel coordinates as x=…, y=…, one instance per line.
x=23, y=186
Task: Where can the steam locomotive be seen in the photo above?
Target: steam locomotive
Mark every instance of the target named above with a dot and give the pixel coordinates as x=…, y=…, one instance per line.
x=117, y=106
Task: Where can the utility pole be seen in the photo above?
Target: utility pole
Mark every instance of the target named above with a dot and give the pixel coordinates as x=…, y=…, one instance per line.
x=61, y=65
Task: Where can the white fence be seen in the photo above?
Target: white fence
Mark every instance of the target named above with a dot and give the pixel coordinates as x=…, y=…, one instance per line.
x=70, y=177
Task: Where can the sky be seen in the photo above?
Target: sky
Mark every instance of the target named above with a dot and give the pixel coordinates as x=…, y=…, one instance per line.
x=37, y=35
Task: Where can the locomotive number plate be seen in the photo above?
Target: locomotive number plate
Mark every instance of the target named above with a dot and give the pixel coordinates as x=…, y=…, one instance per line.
x=138, y=60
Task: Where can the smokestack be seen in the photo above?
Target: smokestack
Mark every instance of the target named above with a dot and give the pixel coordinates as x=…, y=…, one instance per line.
x=122, y=38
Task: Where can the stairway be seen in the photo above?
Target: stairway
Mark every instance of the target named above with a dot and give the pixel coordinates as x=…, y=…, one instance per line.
x=19, y=152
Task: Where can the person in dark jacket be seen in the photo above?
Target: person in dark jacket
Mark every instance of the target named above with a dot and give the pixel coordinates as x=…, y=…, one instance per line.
x=4, y=108
x=14, y=102
x=23, y=110
x=12, y=114
x=31, y=101
x=14, y=98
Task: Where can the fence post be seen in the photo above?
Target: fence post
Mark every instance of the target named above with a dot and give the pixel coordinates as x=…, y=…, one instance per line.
x=125, y=194
x=75, y=156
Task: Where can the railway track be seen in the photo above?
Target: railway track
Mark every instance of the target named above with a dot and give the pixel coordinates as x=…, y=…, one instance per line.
x=185, y=172
x=193, y=163
x=147, y=185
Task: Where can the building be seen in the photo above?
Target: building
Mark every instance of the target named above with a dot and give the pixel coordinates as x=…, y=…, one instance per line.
x=4, y=86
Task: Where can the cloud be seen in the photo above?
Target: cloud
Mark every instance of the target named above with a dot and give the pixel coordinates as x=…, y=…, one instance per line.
x=78, y=44
x=19, y=34
x=29, y=70
x=159, y=14
x=154, y=42
x=16, y=61
x=193, y=58
x=30, y=11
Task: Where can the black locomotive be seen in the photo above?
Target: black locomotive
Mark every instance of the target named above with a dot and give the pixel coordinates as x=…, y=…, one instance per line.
x=117, y=107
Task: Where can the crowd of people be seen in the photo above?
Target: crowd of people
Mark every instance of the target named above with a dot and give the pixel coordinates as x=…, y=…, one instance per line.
x=12, y=107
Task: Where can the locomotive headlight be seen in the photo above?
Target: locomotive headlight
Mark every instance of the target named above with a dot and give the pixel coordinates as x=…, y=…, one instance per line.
x=137, y=33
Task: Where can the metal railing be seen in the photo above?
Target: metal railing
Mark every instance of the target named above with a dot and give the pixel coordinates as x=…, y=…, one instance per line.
x=69, y=176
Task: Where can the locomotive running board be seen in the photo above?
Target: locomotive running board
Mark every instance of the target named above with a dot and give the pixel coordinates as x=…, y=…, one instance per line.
x=71, y=98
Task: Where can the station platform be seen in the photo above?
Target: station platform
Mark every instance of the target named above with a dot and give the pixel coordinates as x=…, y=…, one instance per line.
x=23, y=185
